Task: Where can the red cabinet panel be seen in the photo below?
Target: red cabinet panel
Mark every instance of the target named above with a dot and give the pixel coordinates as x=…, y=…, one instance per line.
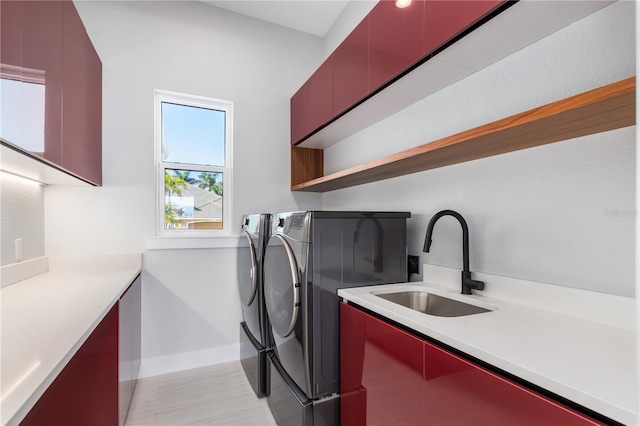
x=381, y=372
x=443, y=20
x=44, y=44
x=11, y=33
x=86, y=391
x=11, y=102
x=300, y=124
x=82, y=104
x=395, y=40
x=31, y=70
x=321, y=95
x=457, y=392
x=389, y=376
x=350, y=64
x=42, y=52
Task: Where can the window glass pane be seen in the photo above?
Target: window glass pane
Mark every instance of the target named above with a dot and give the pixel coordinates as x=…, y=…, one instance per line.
x=193, y=199
x=192, y=135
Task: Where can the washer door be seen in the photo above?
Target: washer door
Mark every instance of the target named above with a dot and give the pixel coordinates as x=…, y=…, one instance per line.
x=281, y=285
x=248, y=272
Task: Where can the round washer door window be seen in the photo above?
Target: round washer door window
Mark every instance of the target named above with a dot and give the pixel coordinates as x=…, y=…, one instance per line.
x=247, y=272
x=281, y=285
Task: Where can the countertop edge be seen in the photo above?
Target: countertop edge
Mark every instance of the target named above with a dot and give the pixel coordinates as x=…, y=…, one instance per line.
x=131, y=269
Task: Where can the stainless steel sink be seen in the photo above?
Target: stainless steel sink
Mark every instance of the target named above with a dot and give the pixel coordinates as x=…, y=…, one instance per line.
x=432, y=304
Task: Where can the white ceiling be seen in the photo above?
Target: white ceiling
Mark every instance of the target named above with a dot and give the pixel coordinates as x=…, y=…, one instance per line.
x=310, y=16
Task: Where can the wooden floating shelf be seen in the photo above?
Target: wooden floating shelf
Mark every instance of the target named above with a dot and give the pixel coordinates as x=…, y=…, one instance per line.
x=606, y=108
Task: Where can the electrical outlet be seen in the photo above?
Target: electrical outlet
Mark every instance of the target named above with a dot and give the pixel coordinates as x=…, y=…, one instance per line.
x=413, y=264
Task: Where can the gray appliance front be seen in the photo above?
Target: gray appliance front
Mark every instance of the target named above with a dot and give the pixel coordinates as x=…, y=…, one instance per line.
x=248, y=276
x=344, y=250
x=283, y=300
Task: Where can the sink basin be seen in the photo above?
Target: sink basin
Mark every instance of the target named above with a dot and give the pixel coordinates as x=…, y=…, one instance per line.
x=432, y=304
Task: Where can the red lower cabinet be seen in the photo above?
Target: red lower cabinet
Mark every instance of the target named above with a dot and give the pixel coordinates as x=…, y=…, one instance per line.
x=86, y=390
x=391, y=377
x=458, y=392
x=381, y=372
x=96, y=386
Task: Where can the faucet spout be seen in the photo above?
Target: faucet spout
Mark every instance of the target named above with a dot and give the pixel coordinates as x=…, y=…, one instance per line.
x=467, y=283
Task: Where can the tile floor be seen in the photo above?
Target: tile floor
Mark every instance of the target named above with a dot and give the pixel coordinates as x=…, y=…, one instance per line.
x=215, y=395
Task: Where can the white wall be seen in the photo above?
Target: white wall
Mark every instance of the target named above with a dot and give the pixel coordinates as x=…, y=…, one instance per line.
x=564, y=213
x=537, y=214
x=22, y=216
x=191, y=310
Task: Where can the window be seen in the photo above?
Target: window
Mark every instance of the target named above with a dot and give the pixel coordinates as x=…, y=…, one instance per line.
x=193, y=157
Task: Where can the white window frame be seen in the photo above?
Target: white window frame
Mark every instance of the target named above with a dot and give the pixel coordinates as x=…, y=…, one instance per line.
x=161, y=96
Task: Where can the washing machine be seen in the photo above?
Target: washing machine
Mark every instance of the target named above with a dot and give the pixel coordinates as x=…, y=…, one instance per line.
x=310, y=255
x=255, y=331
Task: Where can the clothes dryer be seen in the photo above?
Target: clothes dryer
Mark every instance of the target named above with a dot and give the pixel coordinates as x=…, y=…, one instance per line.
x=310, y=255
x=255, y=330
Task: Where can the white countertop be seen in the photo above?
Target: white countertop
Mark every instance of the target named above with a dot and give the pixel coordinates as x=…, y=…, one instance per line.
x=47, y=317
x=589, y=361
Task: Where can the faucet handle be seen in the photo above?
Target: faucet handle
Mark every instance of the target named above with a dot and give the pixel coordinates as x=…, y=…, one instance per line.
x=469, y=284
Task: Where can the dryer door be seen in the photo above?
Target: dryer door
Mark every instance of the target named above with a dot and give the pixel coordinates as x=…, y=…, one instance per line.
x=281, y=285
x=247, y=272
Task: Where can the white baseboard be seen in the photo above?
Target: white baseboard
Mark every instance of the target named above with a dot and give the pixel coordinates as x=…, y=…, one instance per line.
x=165, y=364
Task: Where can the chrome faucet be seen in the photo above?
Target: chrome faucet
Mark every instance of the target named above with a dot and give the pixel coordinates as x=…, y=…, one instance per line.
x=467, y=283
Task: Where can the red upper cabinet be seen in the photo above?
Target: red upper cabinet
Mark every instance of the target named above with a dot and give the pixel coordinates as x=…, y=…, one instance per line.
x=321, y=95
x=51, y=86
x=11, y=33
x=444, y=20
x=300, y=125
x=395, y=40
x=350, y=65
x=387, y=42
x=11, y=16
x=42, y=66
x=82, y=103
x=312, y=105
x=31, y=72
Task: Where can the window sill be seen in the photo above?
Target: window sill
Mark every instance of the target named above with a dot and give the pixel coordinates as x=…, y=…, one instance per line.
x=175, y=243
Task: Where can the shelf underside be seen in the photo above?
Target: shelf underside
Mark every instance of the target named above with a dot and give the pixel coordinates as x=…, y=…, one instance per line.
x=606, y=108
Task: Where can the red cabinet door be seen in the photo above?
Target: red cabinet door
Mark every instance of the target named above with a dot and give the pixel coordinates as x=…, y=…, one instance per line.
x=82, y=103
x=11, y=33
x=42, y=64
x=31, y=72
x=300, y=124
x=350, y=69
x=381, y=372
x=11, y=102
x=321, y=95
x=86, y=390
x=443, y=20
x=458, y=392
x=395, y=40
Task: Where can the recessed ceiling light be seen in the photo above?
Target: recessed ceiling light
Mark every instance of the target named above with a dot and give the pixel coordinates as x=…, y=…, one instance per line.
x=402, y=3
